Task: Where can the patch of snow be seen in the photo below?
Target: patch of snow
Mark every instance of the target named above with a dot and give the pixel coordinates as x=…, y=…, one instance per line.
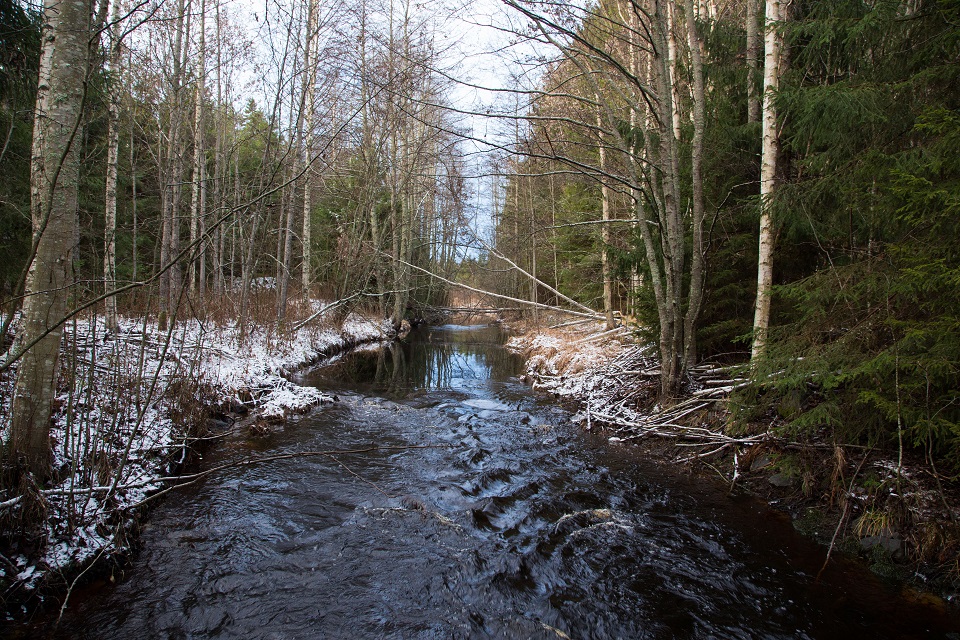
x=132, y=396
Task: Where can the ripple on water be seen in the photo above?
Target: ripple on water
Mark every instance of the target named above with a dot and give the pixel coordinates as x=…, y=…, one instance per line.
x=513, y=526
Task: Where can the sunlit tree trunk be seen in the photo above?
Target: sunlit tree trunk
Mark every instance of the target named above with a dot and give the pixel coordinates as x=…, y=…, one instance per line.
x=768, y=171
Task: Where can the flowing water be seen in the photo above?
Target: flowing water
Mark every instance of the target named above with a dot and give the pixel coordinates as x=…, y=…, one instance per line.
x=505, y=522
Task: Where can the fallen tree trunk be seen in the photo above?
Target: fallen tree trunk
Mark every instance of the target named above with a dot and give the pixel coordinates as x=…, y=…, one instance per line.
x=527, y=303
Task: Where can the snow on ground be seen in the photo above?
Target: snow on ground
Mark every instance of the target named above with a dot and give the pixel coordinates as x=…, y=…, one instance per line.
x=615, y=383
x=129, y=405
x=573, y=363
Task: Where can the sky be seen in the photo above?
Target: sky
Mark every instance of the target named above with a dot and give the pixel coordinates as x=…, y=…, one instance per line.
x=477, y=48
x=487, y=54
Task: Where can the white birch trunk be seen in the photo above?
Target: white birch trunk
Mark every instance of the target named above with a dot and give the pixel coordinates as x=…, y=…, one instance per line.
x=54, y=178
x=310, y=78
x=199, y=158
x=113, y=154
x=695, y=296
x=768, y=171
x=605, y=228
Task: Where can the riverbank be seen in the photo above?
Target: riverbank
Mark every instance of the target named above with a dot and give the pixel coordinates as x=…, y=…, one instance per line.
x=456, y=502
x=899, y=516
x=136, y=404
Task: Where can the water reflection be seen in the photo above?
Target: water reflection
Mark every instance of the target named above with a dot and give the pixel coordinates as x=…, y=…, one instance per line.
x=493, y=518
x=450, y=357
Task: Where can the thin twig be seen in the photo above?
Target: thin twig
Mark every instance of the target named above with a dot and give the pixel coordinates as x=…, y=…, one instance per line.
x=843, y=516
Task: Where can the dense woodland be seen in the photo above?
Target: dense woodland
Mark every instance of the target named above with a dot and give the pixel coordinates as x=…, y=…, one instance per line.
x=807, y=150
x=190, y=167
x=774, y=184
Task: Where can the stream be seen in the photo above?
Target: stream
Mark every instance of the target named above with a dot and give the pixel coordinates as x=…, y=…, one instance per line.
x=491, y=516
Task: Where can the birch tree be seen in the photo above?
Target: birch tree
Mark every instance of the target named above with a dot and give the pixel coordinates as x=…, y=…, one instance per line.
x=753, y=100
x=307, y=122
x=171, y=167
x=114, y=59
x=54, y=181
x=768, y=173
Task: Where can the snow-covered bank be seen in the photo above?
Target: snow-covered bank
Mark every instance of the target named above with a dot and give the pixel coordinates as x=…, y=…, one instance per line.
x=893, y=509
x=130, y=405
x=586, y=364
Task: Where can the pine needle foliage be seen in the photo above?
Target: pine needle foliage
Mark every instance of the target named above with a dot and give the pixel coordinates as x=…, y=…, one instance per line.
x=19, y=60
x=869, y=333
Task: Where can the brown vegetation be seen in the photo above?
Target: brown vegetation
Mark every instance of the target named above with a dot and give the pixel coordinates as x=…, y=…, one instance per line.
x=901, y=519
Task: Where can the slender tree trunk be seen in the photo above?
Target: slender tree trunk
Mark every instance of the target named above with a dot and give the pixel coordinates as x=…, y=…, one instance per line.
x=287, y=196
x=172, y=174
x=605, y=227
x=636, y=279
x=287, y=215
x=113, y=156
x=553, y=231
x=133, y=214
x=199, y=158
x=369, y=170
x=133, y=195
x=395, y=118
x=669, y=9
x=695, y=296
x=221, y=167
x=287, y=212
x=670, y=308
x=517, y=251
x=768, y=172
x=260, y=215
x=54, y=178
x=310, y=78
x=533, y=253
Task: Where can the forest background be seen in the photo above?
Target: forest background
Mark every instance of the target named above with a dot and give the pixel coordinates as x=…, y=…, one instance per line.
x=769, y=184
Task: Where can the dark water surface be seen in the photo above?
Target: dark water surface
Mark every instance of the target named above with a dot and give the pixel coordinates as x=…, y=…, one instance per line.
x=515, y=524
